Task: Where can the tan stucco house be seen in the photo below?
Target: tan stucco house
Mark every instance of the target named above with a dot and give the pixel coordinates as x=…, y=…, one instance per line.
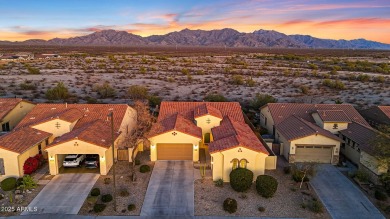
x=309, y=132
x=12, y=111
x=218, y=128
x=56, y=130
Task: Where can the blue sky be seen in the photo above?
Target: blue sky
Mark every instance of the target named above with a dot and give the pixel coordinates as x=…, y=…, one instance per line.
x=342, y=19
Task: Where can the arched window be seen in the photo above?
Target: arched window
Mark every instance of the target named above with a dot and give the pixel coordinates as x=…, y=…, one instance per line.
x=234, y=163
x=243, y=163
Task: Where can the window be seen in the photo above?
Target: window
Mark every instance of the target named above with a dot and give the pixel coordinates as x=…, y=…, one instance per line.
x=207, y=138
x=5, y=127
x=235, y=164
x=40, y=149
x=2, y=170
x=335, y=126
x=265, y=121
x=243, y=163
x=47, y=141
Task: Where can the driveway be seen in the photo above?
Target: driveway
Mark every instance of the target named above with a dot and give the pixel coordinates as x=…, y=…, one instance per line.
x=170, y=190
x=64, y=194
x=341, y=197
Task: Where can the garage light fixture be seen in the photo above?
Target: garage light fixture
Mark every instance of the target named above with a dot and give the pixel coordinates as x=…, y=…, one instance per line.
x=102, y=158
x=51, y=158
x=153, y=146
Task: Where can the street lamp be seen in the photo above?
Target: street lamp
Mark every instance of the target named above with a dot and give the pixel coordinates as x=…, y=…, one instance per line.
x=111, y=115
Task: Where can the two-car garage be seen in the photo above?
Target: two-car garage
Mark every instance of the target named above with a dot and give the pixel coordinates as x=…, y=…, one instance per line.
x=170, y=151
x=314, y=153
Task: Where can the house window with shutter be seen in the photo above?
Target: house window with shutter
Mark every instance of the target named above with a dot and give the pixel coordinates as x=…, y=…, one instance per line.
x=2, y=169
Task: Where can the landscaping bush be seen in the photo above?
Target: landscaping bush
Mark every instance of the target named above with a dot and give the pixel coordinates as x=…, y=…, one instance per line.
x=261, y=209
x=91, y=200
x=316, y=206
x=380, y=195
x=106, y=198
x=144, y=168
x=8, y=184
x=40, y=159
x=218, y=183
x=30, y=165
x=287, y=169
x=230, y=205
x=107, y=181
x=137, y=162
x=362, y=176
x=297, y=176
x=99, y=208
x=27, y=183
x=95, y=192
x=124, y=193
x=266, y=185
x=241, y=179
x=131, y=207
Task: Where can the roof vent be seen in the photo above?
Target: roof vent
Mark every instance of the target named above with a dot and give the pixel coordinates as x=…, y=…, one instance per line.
x=53, y=108
x=301, y=128
x=38, y=133
x=103, y=140
x=32, y=118
x=283, y=106
x=111, y=109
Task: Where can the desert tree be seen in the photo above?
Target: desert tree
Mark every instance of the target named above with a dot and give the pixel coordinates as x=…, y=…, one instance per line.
x=59, y=92
x=260, y=100
x=104, y=90
x=138, y=92
x=301, y=171
x=215, y=98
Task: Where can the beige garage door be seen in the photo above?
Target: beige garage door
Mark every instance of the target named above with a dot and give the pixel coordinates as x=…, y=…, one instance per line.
x=174, y=151
x=320, y=154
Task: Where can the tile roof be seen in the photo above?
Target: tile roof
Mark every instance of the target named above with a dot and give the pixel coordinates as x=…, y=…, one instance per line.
x=188, y=109
x=294, y=128
x=233, y=134
x=333, y=116
x=363, y=135
x=90, y=112
x=281, y=111
x=8, y=104
x=175, y=122
x=385, y=110
x=91, y=133
x=69, y=115
x=22, y=139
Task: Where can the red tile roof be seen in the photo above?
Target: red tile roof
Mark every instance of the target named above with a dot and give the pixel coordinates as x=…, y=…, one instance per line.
x=90, y=112
x=294, y=128
x=69, y=115
x=385, y=110
x=22, y=139
x=175, y=122
x=8, y=104
x=188, y=109
x=333, y=116
x=234, y=134
x=362, y=135
x=91, y=133
x=281, y=111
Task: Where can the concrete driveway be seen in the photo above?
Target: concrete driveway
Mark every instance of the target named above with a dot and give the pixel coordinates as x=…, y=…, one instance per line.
x=341, y=197
x=64, y=194
x=170, y=190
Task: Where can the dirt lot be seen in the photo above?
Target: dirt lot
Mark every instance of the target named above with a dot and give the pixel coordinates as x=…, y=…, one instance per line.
x=287, y=201
x=135, y=190
x=288, y=75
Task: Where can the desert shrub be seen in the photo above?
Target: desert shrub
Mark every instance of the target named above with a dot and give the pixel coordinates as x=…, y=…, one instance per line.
x=362, y=176
x=287, y=169
x=95, y=192
x=250, y=82
x=137, y=92
x=154, y=100
x=27, y=183
x=385, y=180
x=215, y=98
x=137, y=162
x=260, y=100
x=59, y=92
x=218, y=183
x=99, y=208
x=304, y=89
x=104, y=90
x=380, y=195
x=144, y=168
x=261, y=209
x=316, y=206
x=28, y=86
x=91, y=200
x=33, y=71
x=8, y=184
x=230, y=205
x=363, y=77
x=241, y=179
x=266, y=185
x=336, y=84
x=237, y=80
x=298, y=175
x=124, y=193
x=131, y=207
x=30, y=165
x=106, y=198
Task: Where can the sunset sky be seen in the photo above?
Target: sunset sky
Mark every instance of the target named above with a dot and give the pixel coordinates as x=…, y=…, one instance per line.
x=334, y=19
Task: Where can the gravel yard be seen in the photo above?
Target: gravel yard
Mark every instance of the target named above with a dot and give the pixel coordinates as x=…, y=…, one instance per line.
x=287, y=201
x=136, y=190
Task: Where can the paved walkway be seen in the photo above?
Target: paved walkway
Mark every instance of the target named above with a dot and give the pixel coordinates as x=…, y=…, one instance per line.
x=64, y=194
x=341, y=197
x=170, y=190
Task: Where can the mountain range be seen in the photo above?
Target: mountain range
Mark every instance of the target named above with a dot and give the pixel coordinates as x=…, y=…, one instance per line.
x=216, y=38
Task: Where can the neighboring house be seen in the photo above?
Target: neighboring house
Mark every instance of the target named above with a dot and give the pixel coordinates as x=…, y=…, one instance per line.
x=12, y=111
x=217, y=128
x=55, y=130
x=377, y=115
x=309, y=132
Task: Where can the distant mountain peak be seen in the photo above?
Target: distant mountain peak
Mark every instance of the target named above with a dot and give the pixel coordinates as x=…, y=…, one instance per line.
x=222, y=37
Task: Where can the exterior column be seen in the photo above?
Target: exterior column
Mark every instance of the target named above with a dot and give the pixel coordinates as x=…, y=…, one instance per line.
x=53, y=164
x=195, y=152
